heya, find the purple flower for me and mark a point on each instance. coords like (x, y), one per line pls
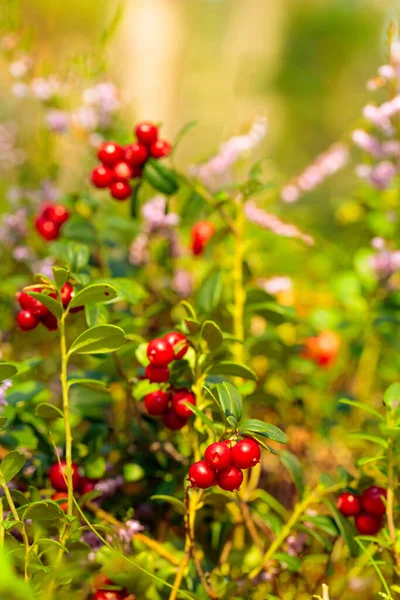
(109, 486)
(272, 223)
(182, 283)
(57, 120)
(44, 88)
(380, 175)
(385, 263)
(275, 285)
(4, 386)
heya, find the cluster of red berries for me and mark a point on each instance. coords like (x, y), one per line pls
(223, 464)
(367, 509)
(34, 312)
(50, 219)
(58, 480)
(102, 593)
(170, 406)
(322, 349)
(121, 164)
(161, 352)
(201, 234)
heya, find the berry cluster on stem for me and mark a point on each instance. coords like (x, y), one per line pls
(368, 509)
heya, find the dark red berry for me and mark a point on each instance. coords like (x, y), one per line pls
(110, 153)
(61, 496)
(372, 501)
(136, 154)
(39, 310)
(67, 293)
(201, 233)
(26, 320)
(50, 322)
(172, 421)
(102, 177)
(218, 455)
(87, 485)
(246, 453)
(108, 595)
(157, 374)
(177, 403)
(160, 149)
(157, 402)
(120, 190)
(136, 172)
(179, 343)
(146, 133)
(47, 229)
(368, 524)
(230, 479)
(201, 475)
(56, 476)
(57, 213)
(160, 352)
(349, 504)
(122, 172)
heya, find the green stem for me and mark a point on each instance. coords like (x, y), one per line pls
(390, 493)
(23, 530)
(67, 424)
(238, 291)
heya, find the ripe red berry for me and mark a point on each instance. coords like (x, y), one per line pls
(102, 177)
(368, 524)
(47, 229)
(218, 455)
(179, 343)
(122, 172)
(246, 453)
(108, 595)
(61, 496)
(157, 374)
(57, 213)
(201, 475)
(136, 154)
(160, 352)
(50, 322)
(56, 476)
(177, 403)
(25, 300)
(201, 233)
(120, 190)
(349, 504)
(87, 485)
(172, 421)
(39, 310)
(110, 153)
(160, 149)
(157, 402)
(26, 320)
(230, 479)
(146, 133)
(67, 293)
(372, 501)
(323, 348)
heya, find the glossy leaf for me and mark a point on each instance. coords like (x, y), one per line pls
(48, 411)
(98, 292)
(212, 334)
(292, 464)
(60, 275)
(7, 370)
(229, 400)
(178, 504)
(98, 340)
(265, 429)
(11, 465)
(92, 384)
(51, 303)
(232, 369)
(210, 292)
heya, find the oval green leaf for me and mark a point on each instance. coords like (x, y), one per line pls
(99, 339)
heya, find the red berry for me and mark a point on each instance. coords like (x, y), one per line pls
(157, 402)
(87, 485)
(120, 190)
(61, 496)
(122, 172)
(25, 300)
(67, 293)
(201, 233)
(178, 342)
(323, 348)
(349, 504)
(146, 133)
(136, 154)
(26, 320)
(57, 479)
(372, 501)
(108, 595)
(157, 374)
(218, 455)
(136, 172)
(57, 213)
(47, 229)
(201, 475)
(177, 403)
(110, 153)
(102, 177)
(50, 322)
(160, 352)
(160, 148)
(39, 310)
(172, 421)
(230, 479)
(368, 524)
(246, 453)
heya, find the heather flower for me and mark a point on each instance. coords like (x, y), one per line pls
(10, 155)
(45, 267)
(13, 227)
(85, 117)
(44, 88)
(385, 263)
(378, 243)
(20, 89)
(276, 285)
(4, 386)
(19, 68)
(57, 120)
(380, 175)
(272, 223)
(109, 486)
(182, 283)
(127, 532)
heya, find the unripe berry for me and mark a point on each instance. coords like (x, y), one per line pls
(160, 149)
(246, 453)
(47, 229)
(57, 213)
(368, 524)
(218, 455)
(177, 405)
(122, 172)
(201, 233)
(230, 479)
(179, 343)
(157, 402)
(26, 320)
(102, 177)
(110, 153)
(146, 133)
(56, 476)
(372, 501)
(201, 475)
(160, 352)
(171, 421)
(61, 496)
(157, 374)
(136, 154)
(120, 190)
(349, 504)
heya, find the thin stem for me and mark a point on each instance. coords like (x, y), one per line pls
(248, 521)
(67, 424)
(188, 543)
(238, 291)
(390, 492)
(208, 198)
(23, 530)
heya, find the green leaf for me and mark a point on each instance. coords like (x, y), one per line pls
(134, 202)
(392, 396)
(48, 542)
(292, 562)
(11, 465)
(199, 413)
(133, 472)
(231, 368)
(98, 340)
(189, 310)
(293, 465)
(48, 411)
(3, 421)
(43, 510)
(229, 400)
(212, 334)
(60, 275)
(369, 437)
(127, 289)
(182, 132)
(51, 303)
(160, 177)
(210, 292)
(7, 370)
(322, 522)
(344, 527)
(96, 467)
(96, 314)
(178, 504)
(77, 255)
(265, 429)
(193, 326)
(98, 292)
(362, 407)
(273, 312)
(92, 384)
